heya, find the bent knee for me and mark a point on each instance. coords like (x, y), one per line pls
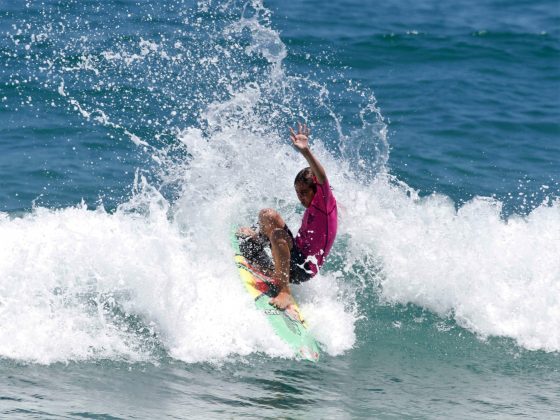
(267, 214)
(270, 219)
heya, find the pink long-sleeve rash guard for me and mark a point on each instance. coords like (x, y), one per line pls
(318, 227)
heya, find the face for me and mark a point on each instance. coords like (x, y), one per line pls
(304, 193)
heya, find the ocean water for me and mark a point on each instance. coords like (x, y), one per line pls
(134, 134)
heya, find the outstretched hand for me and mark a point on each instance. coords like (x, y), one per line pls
(300, 139)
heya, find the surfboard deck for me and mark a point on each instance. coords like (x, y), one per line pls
(289, 324)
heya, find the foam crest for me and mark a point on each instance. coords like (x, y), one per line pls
(82, 302)
(58, 279)
(496, 277)
(80, 284)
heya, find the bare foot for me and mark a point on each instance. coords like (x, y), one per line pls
(282, 301)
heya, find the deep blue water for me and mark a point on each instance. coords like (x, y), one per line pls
(134, 134)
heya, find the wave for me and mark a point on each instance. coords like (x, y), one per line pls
(155, 276)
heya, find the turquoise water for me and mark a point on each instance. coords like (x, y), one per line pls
(134, 134)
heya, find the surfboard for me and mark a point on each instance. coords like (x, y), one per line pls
(289, 324)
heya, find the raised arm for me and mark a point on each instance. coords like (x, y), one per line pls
(301, 142)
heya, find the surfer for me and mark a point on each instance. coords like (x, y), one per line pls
(297, 259)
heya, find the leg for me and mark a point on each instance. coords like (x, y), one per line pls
(272, 225)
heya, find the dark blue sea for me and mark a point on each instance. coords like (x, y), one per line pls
(134, 134)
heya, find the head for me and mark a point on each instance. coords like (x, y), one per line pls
(306, 186)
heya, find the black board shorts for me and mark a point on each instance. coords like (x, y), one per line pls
(299, 266)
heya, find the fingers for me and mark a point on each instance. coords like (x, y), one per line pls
(293, 138)
(292, 134)
(302, 129)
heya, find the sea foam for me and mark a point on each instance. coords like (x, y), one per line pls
(494, 276)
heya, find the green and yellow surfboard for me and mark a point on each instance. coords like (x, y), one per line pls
(289, 324)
